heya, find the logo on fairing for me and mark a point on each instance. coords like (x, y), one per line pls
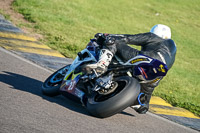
(161, 68)
(72, 84)
(155, 80)
(138, 59)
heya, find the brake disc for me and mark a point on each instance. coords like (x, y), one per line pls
(110, 90)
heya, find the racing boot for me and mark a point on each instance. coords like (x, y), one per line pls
(101, 66)
(142, 104)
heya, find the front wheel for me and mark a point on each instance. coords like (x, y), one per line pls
(107, 105)
(52, 84)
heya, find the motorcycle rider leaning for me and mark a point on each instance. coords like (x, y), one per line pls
(156, 44)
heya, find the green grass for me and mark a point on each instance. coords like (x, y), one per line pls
(4, 14)
(67, 26)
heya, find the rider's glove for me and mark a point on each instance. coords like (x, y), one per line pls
(100, 37)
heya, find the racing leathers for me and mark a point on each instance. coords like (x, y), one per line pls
(152, 45)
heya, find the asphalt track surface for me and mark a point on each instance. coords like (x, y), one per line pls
(23, 108)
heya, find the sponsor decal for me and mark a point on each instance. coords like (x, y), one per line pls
(143, 72)
(68, 76)
(78, 93)
(155, 80)
(72, 84)
(138, 59)
(161, 68)
(109, 55)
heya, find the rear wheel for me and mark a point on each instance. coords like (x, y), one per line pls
(124, 95)
(52, 84)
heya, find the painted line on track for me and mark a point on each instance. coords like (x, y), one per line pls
(28, 45)
(33, 50)
(29, 48)
(20, 36)
(160, 106)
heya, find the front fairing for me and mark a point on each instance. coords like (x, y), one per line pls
(72, 77)
(77, 62)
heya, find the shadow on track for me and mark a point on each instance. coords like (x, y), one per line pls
(33, 86)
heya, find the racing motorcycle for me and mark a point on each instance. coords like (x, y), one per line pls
(104, 95)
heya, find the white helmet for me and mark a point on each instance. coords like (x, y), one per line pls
(162, 31)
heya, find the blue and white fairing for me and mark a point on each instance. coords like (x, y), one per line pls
(77, 62)
(72, 78)
(147, 69)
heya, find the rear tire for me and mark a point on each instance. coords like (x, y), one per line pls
(124, 96)
(51, 86)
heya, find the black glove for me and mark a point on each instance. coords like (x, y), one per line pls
(100, 37)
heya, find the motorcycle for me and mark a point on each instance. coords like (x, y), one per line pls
(104, 95)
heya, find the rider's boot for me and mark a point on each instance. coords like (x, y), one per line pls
(142, 104)
(101, 66)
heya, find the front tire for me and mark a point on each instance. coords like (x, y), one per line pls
(124, 96)
(51, 86)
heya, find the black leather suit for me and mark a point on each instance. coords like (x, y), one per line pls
(151, 45)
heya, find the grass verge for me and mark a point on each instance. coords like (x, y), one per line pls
(68, 25)
(4, 14)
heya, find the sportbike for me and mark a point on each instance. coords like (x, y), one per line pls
(104, 95)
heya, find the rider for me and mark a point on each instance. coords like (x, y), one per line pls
(156, 44)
